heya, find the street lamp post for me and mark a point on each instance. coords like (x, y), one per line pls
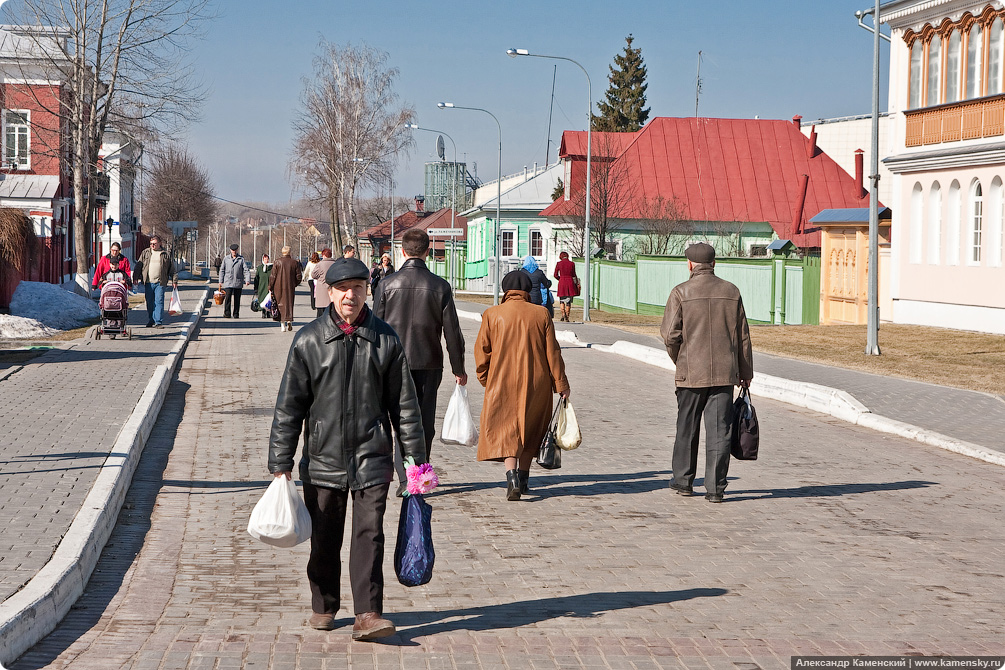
(513, 53)
(497, 230)
(453, 198)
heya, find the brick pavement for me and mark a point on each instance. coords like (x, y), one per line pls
(839, 540)
(61, 413)
(965, 415)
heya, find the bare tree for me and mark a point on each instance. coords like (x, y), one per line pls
(179, 190)
(351, 130)
(613, 193)
(665, 227)
(118, 63)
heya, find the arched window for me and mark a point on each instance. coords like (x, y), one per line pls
(953, 57)
(934, 223)
(975, 56)
(994, 210)
(934, 71)
(976, 223)
(917, 72)
(995, 58)
(914, 233)
(953, 212)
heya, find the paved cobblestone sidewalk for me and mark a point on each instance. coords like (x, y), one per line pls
(60, 414)
(839, 540)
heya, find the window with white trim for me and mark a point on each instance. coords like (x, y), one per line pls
(976, 223)
(17, 144)
(508, 243)
(953, 58)
(933, 96)
(975, 68)
(917, 73)
(536, 244)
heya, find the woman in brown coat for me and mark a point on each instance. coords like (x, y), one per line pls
(283, 282)
(520, 365)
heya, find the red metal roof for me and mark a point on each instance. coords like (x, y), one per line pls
(746, 170)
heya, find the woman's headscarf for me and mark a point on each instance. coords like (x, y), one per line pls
(516, 281)
(529, 264)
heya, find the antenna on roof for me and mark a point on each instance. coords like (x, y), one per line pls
(697, 87)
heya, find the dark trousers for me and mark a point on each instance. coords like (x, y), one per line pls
(427, 383)
(310, 283)
(235, 294)
(716, 403)
(366, 547)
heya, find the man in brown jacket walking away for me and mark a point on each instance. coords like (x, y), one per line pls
(706, 334)
(283, 282)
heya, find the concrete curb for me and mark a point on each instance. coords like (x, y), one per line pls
(33, 612)
(824, 399)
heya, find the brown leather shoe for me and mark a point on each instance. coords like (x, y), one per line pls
(370, 626)
(322, 621)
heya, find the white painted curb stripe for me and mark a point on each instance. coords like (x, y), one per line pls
(33, 612)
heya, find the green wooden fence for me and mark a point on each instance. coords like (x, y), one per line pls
(775, 290)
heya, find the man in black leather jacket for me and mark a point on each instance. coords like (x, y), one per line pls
(347, 380)
(420, 307)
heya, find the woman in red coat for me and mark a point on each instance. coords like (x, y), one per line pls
(568, 284)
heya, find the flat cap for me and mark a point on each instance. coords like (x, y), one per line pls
(701, 252)
(234, 247)
(346, 268)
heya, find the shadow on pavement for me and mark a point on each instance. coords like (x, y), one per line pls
(528, 612)
(551, 485)
(825, 490)
(190, 486)
(126, 541)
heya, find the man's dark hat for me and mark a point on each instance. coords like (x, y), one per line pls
(700, 253)
(346, 268)
(518, 280)
(234, 247)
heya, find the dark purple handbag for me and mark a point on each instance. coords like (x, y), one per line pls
(746, 436)
(413, 554)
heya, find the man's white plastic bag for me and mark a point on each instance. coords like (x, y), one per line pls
(174, 308)
(568, 436)
(280, 518)
(458, 426)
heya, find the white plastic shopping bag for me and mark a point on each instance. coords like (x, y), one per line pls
(458, 426)
(174, 309)
(568, 435)
(267, 303)
(280, 518)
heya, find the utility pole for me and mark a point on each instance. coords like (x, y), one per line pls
(697, 87)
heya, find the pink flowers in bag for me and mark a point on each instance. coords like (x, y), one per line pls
(421, 478)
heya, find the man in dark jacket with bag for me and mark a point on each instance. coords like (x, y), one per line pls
(420, 307)
(706, 334)
(347, 380)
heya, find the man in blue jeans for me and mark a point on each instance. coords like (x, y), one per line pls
(155, 269)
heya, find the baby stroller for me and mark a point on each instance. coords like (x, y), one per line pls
(114, 306)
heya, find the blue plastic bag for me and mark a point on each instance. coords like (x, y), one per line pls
(413, 554)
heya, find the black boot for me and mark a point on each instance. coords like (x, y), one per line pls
(512, 485)
(524, 476)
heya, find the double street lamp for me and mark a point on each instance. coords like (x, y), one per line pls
(496, 229)
(513, 53)
(453, 196)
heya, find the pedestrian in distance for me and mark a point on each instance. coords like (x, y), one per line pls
(261, 283)
(420, 307)
(283, 282)
(565, 273)
(381, 270)
(321, 299)
(104, 264)
(540, 285)
(348, 251)
(309, 275)
(706, 334)
(520, 365)
(155, 269)
(217, 262)
(349, 451)
(233, 278)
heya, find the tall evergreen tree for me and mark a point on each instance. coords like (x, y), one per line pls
(624, 109)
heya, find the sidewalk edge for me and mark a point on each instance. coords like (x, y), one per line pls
(33, 612)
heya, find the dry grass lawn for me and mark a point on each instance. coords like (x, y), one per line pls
(957, 358)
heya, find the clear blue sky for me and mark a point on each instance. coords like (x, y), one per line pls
(772, 59)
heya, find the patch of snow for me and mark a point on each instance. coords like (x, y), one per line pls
(52, 306)
(20, 328)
